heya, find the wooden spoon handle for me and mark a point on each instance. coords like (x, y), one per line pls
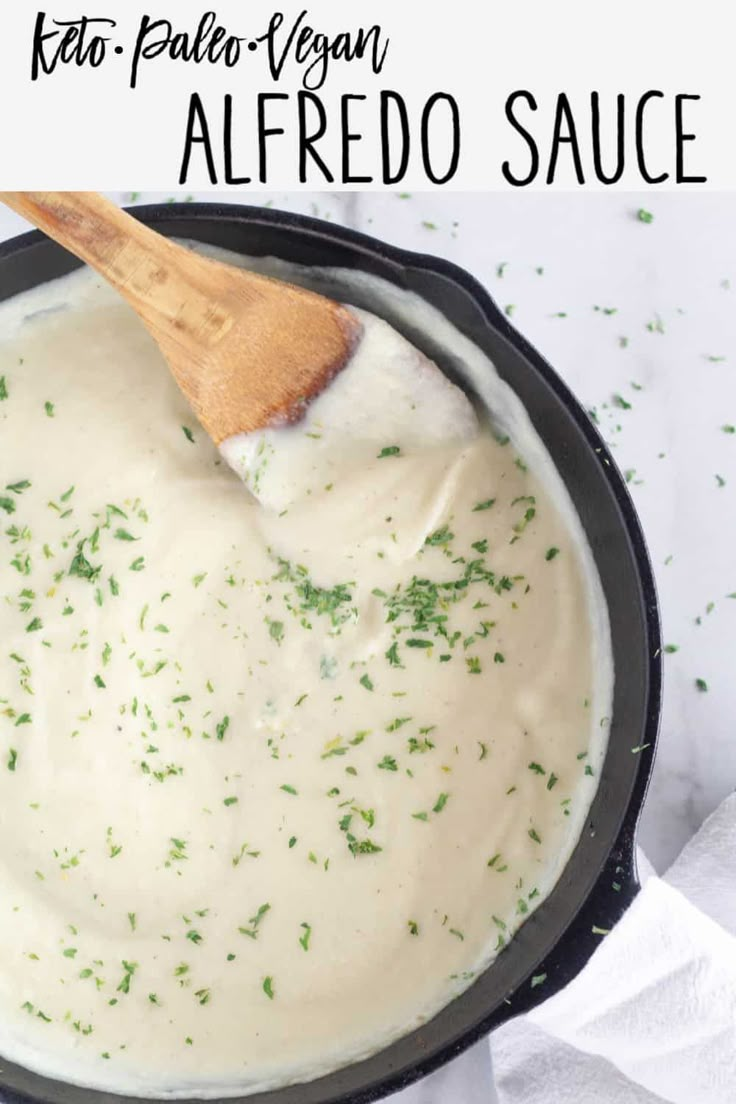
(122, 249)
(169, 288)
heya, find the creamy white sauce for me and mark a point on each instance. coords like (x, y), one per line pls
(388, 391)
(217, 715)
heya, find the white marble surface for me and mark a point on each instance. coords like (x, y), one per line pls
(671, 275)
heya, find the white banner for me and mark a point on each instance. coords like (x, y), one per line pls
(368, 95)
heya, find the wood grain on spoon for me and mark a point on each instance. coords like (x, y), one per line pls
(246, 350)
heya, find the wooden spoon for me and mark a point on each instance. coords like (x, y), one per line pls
(247, 351)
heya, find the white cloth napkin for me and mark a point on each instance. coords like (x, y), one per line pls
(652, 1017)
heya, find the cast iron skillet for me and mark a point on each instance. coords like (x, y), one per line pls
(600, 880)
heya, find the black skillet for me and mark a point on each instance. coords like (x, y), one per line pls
(600, 880)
